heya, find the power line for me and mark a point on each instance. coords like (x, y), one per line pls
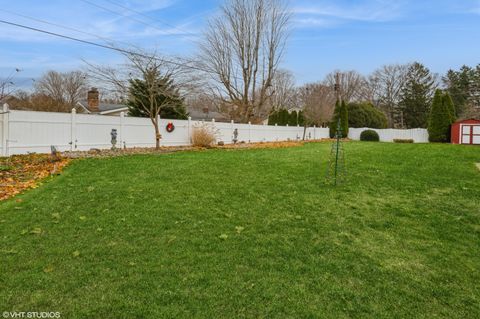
(64, 27)
(105, 46)
(148, 17)
(122, 15)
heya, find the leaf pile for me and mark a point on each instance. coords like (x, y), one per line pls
(21, 172)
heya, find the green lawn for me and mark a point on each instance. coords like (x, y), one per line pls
(250, 233)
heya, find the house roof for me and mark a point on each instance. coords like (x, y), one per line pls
(105, 108)
(198, 115)
(468, 121)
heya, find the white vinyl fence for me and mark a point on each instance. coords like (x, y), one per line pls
(24, 132)
(418, 135)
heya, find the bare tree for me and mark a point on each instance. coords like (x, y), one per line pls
(282, 90)
(385, 85)
(318, 101)
(65, 89)
(242, 50)
(7, 86)
(351, 84)
(75, 87)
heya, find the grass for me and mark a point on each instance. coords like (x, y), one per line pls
(250, 233)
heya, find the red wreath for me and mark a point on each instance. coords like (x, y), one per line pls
(170, 127)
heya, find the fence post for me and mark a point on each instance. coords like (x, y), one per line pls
(189, 136)
(5, 112)
(314, 132)
(73, 130)
(249, 132)
(122, 119)
(276, 131)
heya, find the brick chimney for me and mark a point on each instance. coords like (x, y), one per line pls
(93, 100)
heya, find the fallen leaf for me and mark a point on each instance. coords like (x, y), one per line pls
(239, 229)
(48, 269)
(36, 231)
(76, 253)
(223, 236)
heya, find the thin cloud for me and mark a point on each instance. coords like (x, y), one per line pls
(328, 13)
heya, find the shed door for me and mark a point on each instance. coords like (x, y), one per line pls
(471, 134)
(476, 134)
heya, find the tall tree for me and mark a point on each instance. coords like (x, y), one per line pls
(384, 88)
(168, 99)
(351, 84)
(416, 96)
(318, 102)
(439, 120)
(447, 100)
(65, 89)
(242, 50)
(283, 90)
(150, 75)
(464, 87)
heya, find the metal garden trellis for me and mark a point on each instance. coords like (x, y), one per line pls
(336, 166)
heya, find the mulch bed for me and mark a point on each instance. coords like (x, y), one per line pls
(21, 172)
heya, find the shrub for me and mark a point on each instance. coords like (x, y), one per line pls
(370, 136)
(405, 141)
(273, 118)
(364, 114)
(301, 118)
(204, 135)
(293, 118)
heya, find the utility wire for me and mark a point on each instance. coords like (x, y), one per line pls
(115, 3)
(105, 46)
(64, 27)
(122, 15)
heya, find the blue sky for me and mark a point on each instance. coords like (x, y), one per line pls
(326, 34)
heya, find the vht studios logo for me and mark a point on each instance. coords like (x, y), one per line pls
(31, 314)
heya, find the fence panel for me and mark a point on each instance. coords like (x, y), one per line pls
(24, 131)
(37, 131)
(418, 135)
(3, 118)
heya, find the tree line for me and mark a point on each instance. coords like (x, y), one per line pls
(238, 73)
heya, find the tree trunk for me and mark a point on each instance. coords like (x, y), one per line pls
(158, 136)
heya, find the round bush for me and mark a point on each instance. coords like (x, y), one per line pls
(370, 136)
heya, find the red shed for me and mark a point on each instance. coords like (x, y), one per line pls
(466, 132)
